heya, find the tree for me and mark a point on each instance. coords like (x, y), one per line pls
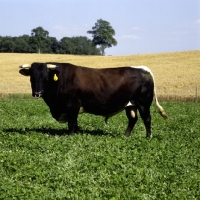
(102, 34)
(77, 45)
(39, 36)
(83, 46)
(7, 44)
(54, 45)
(21, 44)
(66, 46)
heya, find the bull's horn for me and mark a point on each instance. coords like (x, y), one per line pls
(51, 66)
(25, 66)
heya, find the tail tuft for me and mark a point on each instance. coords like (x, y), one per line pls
(161, 110)
(163, 114)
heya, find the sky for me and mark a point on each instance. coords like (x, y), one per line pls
(141, 26)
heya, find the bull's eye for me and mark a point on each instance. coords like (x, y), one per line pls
(55, 78)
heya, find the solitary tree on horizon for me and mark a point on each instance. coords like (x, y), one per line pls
(102, 34)
(39, 35)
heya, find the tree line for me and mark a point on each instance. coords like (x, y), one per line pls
(24, 44)
(41, 42)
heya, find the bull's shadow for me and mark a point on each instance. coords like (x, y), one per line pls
(58, 132)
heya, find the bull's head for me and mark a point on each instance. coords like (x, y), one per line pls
(39, 76)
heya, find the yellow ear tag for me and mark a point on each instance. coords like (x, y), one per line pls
(55, 78)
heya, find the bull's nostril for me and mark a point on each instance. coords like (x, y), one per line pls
(38, 94)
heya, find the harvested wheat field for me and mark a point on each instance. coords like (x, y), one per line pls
(177, 75)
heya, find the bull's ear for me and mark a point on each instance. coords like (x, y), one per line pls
(25, 72)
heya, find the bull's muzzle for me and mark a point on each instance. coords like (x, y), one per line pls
(37, 94)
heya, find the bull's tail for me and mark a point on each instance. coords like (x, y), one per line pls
(160, 108)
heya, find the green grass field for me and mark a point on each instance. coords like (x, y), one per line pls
(39, 161)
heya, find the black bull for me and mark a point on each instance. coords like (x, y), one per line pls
(68, 90)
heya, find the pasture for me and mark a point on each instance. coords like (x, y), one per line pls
(38, 160)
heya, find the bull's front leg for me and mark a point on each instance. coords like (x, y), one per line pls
(72, 119)
(73, 127)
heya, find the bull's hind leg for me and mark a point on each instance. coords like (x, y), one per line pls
(146, 117)
(131, 113)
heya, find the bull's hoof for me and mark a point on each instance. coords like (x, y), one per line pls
(127, 134)
(148, 136)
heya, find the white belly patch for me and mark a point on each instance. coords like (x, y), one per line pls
(129, 104)
(132, 110)
(81, 110)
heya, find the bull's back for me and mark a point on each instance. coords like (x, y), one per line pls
(104, 91)
(101, 91)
